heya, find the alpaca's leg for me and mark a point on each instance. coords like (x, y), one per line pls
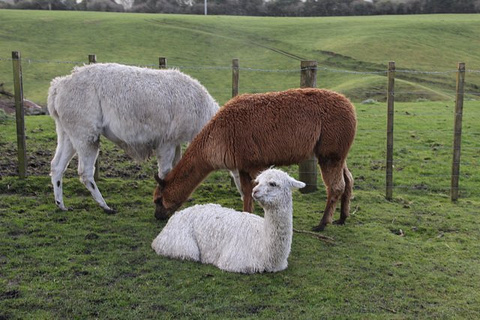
(346, 196)
(166, 157)
(63, 155)
(247, 187)
(178, 155)
(236, 179)
(87, 154)
(332, 175)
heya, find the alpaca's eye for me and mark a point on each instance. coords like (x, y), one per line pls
(272, 184)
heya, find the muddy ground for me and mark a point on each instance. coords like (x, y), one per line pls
(113, 161)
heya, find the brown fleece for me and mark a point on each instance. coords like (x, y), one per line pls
(254, 131)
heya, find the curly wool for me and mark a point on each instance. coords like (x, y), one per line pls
(236, 241)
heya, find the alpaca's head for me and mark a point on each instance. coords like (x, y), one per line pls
(274, 187)
(163, 209)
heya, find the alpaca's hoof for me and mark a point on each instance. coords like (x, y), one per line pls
(320, 227)
(109, 211)
(339, 222)
(61, 206)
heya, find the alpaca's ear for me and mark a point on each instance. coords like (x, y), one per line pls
(296, 184)
(160, 181)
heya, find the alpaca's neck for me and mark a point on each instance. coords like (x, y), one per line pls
(185, 177)
(278, 228)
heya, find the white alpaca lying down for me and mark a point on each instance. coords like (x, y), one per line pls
(232, 240)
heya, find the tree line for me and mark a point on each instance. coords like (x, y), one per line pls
(302, 8)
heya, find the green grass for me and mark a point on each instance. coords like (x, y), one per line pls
(413, 257)
(196, 44)
(416, 256)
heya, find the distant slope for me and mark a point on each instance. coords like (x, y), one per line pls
(353, 52)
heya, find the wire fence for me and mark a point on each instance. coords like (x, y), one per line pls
(424, 117)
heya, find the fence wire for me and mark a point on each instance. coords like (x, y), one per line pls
(229, 67)
(423, 130)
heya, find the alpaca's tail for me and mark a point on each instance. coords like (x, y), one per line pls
(52, 96)
(347, 195)
(348, 177)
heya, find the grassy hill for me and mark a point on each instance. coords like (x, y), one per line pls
(204, 47)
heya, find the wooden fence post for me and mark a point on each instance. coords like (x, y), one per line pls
(162, 64)
(457, 138)
(20, 114)
(235, 77)
(390, 112)
(235, 82)
(307, 169)
(92, 58)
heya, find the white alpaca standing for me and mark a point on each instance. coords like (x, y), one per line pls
(144, 111)
(232, 240)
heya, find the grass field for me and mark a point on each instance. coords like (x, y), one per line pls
(203, 46)
(416, 256)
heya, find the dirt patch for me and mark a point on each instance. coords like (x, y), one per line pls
(112, 163)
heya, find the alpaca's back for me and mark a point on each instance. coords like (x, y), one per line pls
(137, 108)
(281, 128)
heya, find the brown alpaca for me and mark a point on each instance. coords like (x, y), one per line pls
(254, 131)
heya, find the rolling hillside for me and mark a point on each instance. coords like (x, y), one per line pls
(352, 52)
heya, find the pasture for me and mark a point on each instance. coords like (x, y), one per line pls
(416, 256)
(52, 42)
